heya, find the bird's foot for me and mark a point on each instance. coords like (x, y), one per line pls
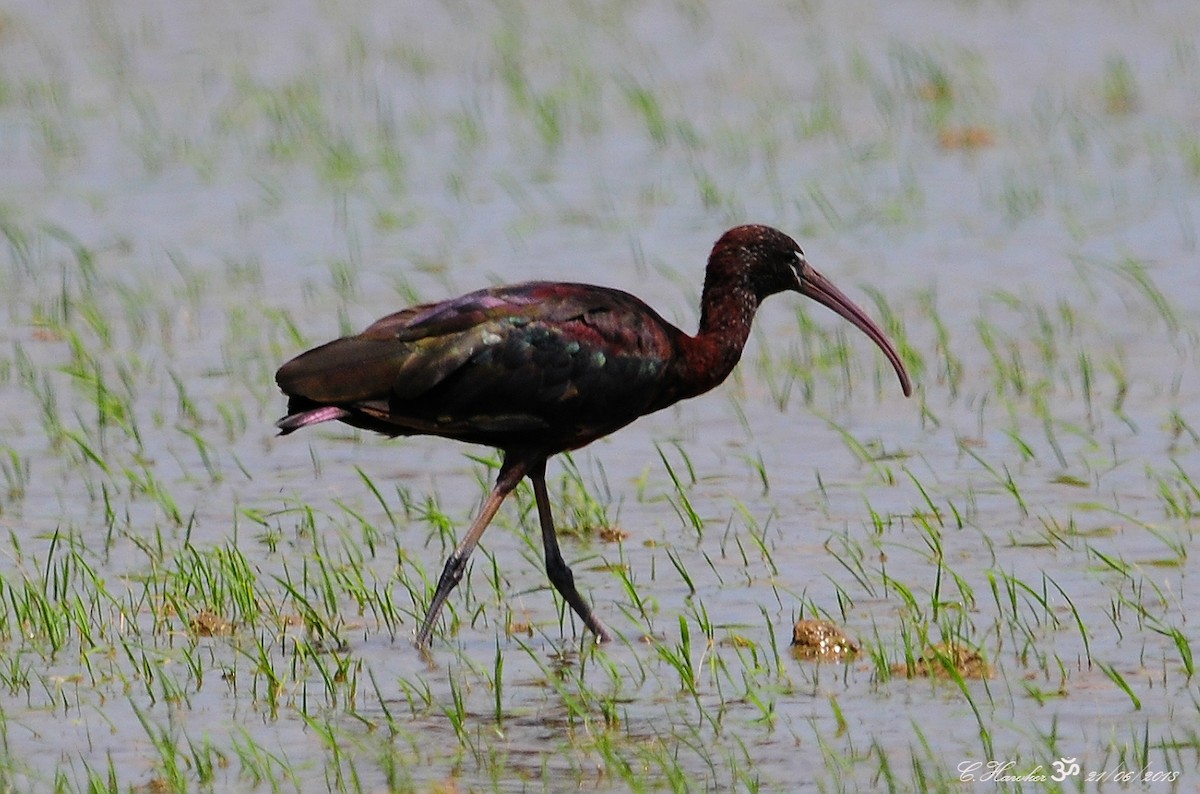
(601, 631)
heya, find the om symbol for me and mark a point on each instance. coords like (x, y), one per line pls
(1063, 769)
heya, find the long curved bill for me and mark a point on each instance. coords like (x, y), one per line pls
(814, 285)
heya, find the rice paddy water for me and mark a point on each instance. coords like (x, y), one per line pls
(194, 193)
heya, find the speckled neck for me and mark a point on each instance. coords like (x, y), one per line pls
(727, 308)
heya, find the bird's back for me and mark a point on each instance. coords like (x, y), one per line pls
(541, 364)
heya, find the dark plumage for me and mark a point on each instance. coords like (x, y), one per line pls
(537, 368)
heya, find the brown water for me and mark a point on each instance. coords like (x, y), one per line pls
(193, 194)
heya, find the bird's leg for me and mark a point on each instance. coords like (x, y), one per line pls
(511, 472)
(556, 568)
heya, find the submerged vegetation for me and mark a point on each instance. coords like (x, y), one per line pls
(188, 604)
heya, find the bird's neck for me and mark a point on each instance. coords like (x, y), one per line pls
(727, 309)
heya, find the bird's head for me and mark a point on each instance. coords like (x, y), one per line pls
(772, 262)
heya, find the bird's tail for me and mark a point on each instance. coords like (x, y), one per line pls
(326, 413)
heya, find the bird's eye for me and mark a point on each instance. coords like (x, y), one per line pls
(798, 262)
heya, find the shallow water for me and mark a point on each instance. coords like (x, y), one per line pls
(193, 197)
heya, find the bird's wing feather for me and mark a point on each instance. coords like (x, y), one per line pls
(410, 351)
(514, 358)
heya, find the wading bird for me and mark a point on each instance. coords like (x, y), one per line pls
(539, 368)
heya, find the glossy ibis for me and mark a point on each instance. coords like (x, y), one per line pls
(539, 368)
